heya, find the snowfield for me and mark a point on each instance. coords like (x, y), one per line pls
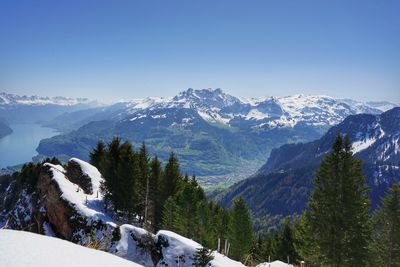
(20, 248)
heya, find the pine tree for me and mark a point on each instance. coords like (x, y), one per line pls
(119, 167)
(188, 198)
(240, 231)
(171, 216)
(285, 240)
(220, 222)
(202, 257)
(385, 246)
(171, 179)
(268, 247)
(98, 154)
(338, 209)
(304, 243)
(155, 211)
(144, 184)
(108, 169)
(126, 193)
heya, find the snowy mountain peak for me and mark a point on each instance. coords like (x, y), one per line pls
(216, 106)
(206, 98)
(13, 99)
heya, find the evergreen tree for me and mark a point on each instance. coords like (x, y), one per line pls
(119, 167)
(171, 216)
(240, 231)
(155, 210)
(97, 155)
(126, 193)
(202, 223)
(202, 257)
(171, 179)
(187, 201)
(285, 243)
(220, 222)
(385, 246)
(304, 244)
(338, 209)
(108, 168)
(268, 247)
(144, 183)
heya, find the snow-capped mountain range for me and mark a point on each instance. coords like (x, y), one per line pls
(212, 132)
(215, 106)
(12, 99)
(375, 139)
(33, 109)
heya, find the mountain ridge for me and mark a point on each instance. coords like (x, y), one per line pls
(212, 132)
(282, 185)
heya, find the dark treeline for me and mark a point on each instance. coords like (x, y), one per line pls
(12, 185)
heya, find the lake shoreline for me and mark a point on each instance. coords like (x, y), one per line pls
(20, 145)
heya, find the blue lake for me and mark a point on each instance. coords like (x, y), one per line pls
(20, 146)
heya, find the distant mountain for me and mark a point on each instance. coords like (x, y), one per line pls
(282, 185)
(22, 109)
(213, 133)
(12, 99)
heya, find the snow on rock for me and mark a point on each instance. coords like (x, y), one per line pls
(182, 249)
(127, 247)
(20, 248)
(91, 172)
(274, 264)
(359, 146)
(223, 261)
(135, 244)
(88, 205)
(179, 248)
(256, 114)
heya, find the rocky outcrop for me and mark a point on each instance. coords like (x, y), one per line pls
(60, 207)
(58, 211)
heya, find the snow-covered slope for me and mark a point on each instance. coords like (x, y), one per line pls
(20, 248)
(82, 212)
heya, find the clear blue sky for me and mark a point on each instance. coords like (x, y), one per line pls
(132, 49)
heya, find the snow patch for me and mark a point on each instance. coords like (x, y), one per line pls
(90, 206)
(359, 146)
(274, 264)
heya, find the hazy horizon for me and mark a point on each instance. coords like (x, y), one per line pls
(116, 99)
